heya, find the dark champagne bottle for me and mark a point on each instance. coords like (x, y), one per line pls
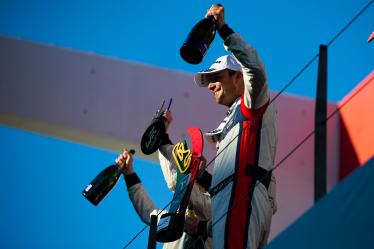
(198, 40)
(103, 183)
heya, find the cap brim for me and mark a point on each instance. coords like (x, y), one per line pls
(201, 78)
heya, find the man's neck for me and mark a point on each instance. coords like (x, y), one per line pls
(232, 106)
(233, 102)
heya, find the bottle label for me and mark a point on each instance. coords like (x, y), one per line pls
(88, 187)
(164, 222)
(152, 135)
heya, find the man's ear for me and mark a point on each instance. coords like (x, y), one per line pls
(239, 82)
(239, 76)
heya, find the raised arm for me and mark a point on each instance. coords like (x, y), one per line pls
(256, 92)
(143, 204)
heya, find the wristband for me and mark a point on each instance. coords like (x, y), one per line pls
(132, 179)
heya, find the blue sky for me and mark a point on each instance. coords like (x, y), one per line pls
(287, 34)
(42, 206)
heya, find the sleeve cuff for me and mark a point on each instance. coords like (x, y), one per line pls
(131, 180)
(202, 229)
(165, 140)
(225, 31)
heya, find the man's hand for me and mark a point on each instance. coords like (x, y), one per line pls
(218, 12)
(191, 224)
(168, 118)
(124, 162)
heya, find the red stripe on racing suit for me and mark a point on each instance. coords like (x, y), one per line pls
(245, 223)
(238, 217)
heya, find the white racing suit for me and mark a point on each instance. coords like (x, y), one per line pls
(144, 206)
(243, 191)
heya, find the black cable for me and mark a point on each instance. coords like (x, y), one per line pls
(275, 97)
(136, 236)
(350, 22)
(142, 230)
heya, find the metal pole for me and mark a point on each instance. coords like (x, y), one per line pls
(320, 179)
(152, 233)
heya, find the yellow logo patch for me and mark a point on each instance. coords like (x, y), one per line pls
(182, 156)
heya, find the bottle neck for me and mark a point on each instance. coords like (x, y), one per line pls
(118, 168)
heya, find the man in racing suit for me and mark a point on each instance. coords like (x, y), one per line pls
(145, 207)
(243, 187)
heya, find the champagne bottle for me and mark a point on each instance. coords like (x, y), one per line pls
(152, 137)
(103, 183)
(198, 40)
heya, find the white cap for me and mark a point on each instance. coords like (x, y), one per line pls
(222, 63)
